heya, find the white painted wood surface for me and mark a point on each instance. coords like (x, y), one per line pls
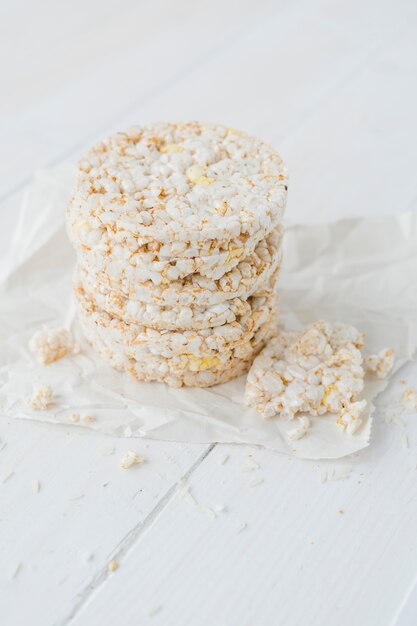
(333, 86)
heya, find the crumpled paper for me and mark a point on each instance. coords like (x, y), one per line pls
(359, 271)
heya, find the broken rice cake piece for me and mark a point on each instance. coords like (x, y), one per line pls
(51, 344)
(381, 364)
(42, 398)
(316, 371)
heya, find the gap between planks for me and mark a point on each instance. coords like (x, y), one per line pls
(127, 543)
(404, 602)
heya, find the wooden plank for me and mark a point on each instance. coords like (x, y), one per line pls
(286, 66)
(356, 154)
(85, 510)
(127, 57)
(193, 564)
(52, 555)
(327, 100)
(312, 553)
(333, 58)
(51, 45)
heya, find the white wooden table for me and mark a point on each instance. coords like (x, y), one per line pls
(333, 86)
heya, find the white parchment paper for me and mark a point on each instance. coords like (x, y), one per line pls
(360, 271)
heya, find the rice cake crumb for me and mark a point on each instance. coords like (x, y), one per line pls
(350, 416)
(51, 344)
(299, 431)
(409, 398)
(113, 565)
(42, 398)
(256, 481)
(242, 526)
(335, 473)
(129, 459)
(381, 364)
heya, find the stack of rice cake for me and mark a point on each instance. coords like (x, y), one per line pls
(177, 230)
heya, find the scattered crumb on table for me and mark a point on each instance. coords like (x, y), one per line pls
(52, 344)
(335, 473)
(409, 399)
(219, 508)
(113, 565)
(42, 398)
(256, 481)
(241, 528)
(130, 459)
